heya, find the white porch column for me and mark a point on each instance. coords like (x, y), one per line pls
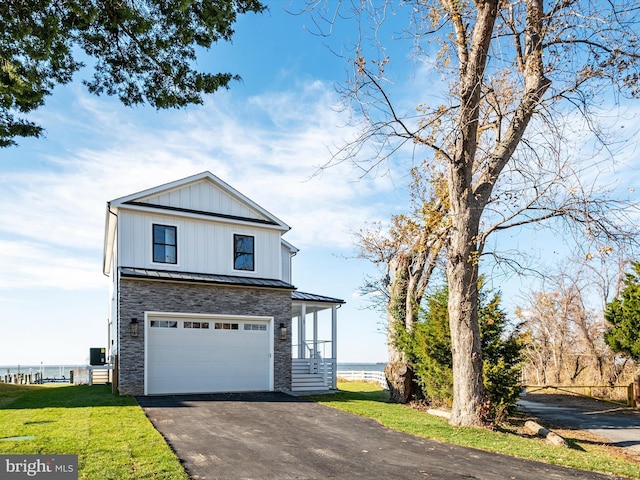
(301, 330)
(334, 332)
(315, 333)
(334, 346)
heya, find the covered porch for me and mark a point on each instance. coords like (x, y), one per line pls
(314, 342)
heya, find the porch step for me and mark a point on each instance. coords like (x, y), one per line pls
(307, 382)
(306, 377)
(310, 388)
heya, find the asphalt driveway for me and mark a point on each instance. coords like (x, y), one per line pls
(620, 430)
(276, 436)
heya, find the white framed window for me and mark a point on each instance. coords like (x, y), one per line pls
(243, 252)
(165, 243)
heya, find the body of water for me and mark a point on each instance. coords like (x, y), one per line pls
(48, 371)
(362, 367)
(63, 371)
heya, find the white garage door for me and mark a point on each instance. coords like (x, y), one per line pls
(208, 354)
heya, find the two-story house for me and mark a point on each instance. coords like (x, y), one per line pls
(202, 298)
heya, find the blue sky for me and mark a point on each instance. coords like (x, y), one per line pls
(266, 137)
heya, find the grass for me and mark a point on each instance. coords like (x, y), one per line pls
(369, 400)
(111, 435)
(114, 439)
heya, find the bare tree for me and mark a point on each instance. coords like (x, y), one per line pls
(566, 333)
(408, 252)
(514, 75)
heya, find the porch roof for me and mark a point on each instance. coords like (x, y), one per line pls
(312, 297)
(312, 301)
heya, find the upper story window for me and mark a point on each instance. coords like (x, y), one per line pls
(243, 252)
(165, 244)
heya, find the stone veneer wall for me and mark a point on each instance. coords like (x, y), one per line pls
(139, 296)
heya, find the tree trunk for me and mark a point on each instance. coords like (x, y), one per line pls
(399, 372)
(399, 377)
(469, 396)
(400, 381)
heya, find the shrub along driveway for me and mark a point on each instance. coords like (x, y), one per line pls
(276, 436)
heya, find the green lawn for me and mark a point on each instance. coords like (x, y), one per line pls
(114, 440)
(111, 435)
(369, 400)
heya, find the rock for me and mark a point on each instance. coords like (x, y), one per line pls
(439, 413)
(548, 435)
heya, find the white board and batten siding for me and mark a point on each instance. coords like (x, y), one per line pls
(202, 197)
(203, 246)
(181, 360)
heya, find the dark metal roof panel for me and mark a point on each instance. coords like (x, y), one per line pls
(312, 297)
(132, 272)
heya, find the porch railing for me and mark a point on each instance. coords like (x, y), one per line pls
(317, 372)
(322, 345)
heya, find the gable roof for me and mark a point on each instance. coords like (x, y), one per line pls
(203, 196)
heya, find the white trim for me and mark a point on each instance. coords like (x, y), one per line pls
(210, 318)
(201, 216)
(292, 249)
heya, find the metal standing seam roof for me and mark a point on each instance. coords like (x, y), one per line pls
(312, 297)
(151, 274)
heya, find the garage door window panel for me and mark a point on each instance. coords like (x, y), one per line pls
(196, 325)
(163, 324)
(226, 326)
(255, 327)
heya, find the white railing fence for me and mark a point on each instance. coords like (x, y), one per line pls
(364, 375)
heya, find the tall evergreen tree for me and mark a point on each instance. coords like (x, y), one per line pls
(501, 355)
(429, 350)
(623, 314)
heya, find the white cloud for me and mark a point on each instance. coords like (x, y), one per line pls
(269, 147)
(28, 264)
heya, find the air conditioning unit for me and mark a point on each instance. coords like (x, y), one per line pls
(97, 356)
